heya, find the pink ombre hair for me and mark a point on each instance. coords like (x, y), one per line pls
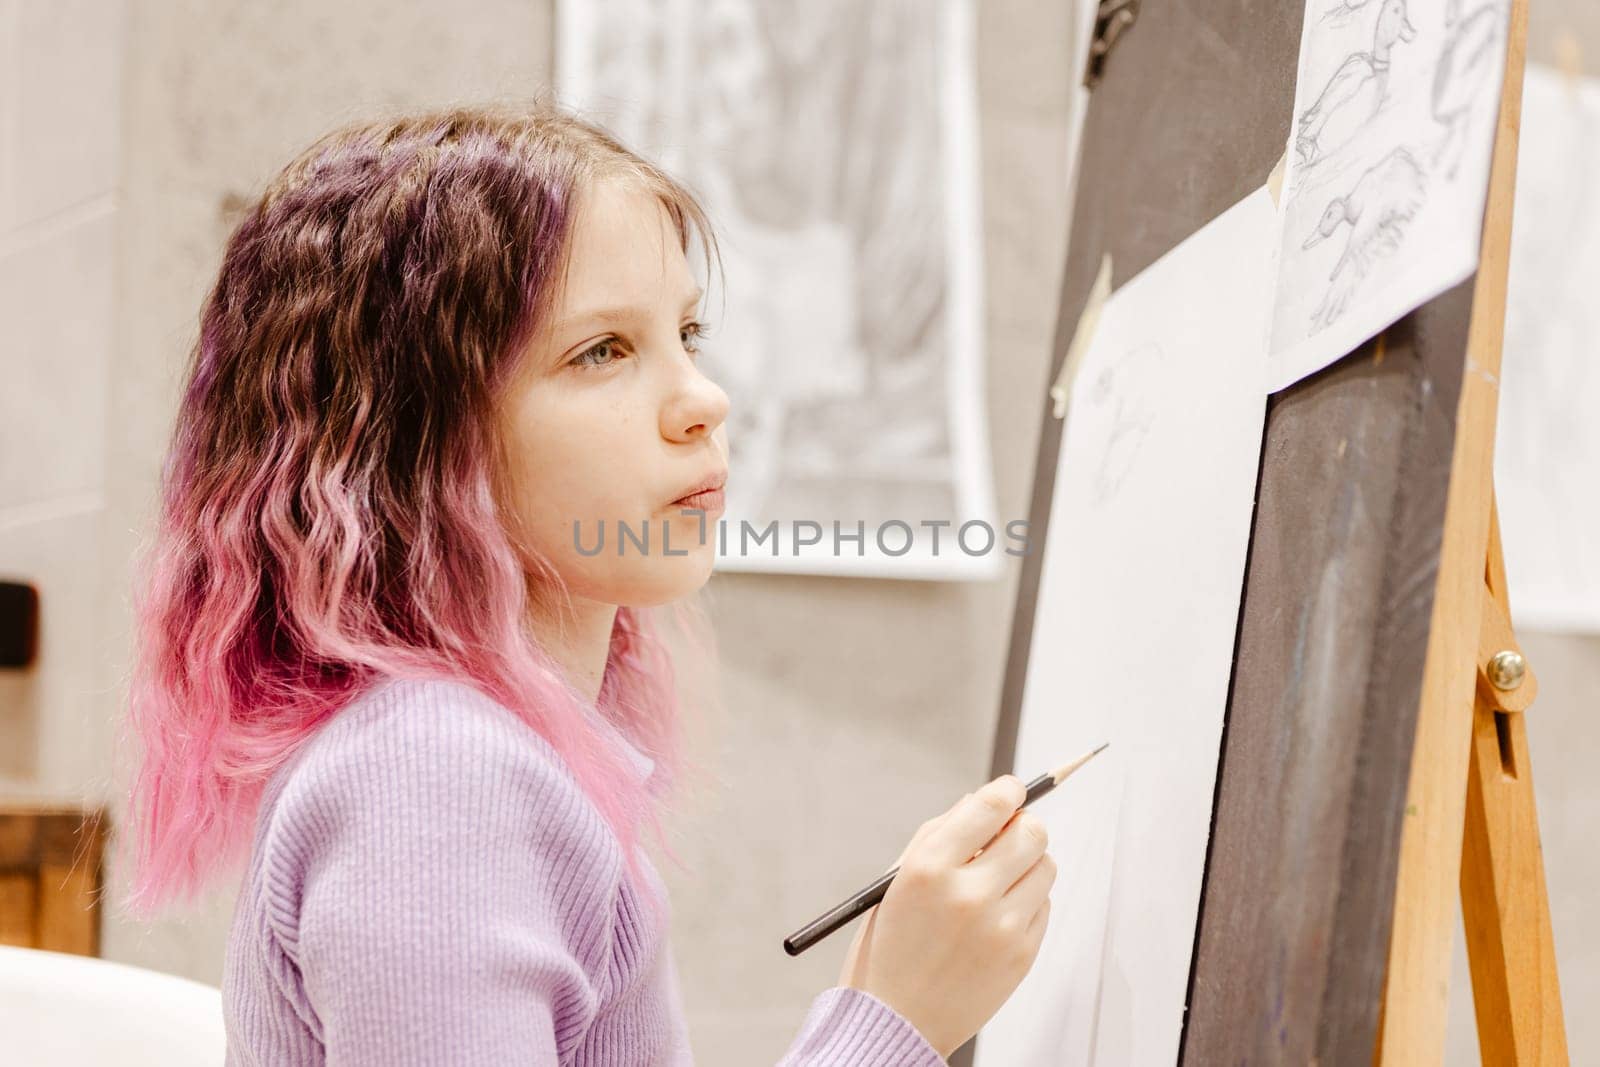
(331, 504)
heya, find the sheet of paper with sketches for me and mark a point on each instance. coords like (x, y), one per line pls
(834, 145)
(1133, 641)
(1394, 121)
(1547, 450)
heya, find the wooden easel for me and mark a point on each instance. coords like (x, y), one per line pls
(1361, 785)
(1470, 805)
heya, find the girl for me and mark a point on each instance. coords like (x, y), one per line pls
(380, 659)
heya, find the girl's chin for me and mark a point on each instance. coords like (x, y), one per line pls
(670, 578)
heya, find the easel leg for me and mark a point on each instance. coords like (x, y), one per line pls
(1411, 1021)
(1510, 944)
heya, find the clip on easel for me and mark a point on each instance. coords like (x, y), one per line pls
(1470, 820)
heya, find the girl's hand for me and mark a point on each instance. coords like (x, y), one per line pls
(957, 930)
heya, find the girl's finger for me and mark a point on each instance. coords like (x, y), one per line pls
(1033, 888)
(1016, 848)
(1036, 927)
(917, 838)
(975, 820)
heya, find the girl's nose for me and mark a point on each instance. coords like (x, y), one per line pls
(695, 406)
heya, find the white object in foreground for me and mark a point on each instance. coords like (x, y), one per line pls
(65, 1010)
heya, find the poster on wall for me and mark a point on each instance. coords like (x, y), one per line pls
(834, 146)
(1547, 441)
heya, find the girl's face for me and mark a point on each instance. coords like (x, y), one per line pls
(610, 420)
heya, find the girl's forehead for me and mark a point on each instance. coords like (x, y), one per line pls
(623, 249)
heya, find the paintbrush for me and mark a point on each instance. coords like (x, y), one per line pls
(835, 917)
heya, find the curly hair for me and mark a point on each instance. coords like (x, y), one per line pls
(331, 512)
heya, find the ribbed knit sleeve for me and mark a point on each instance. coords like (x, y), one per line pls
(451, 900)
(848, 1027)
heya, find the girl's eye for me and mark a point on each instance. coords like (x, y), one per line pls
(582, 359)
(591, 357)
(693, 334)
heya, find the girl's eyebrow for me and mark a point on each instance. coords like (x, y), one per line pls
(622, 314)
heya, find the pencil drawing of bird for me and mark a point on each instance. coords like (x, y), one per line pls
(1466, 64)
(1378, 209)
(1356, 91)
(1341, 12)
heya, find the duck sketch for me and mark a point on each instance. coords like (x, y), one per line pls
(1356, 90)
(1466, 64)
(1342, 11)
(1377, 209)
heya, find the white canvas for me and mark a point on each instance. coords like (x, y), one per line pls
(1133, 639)
(1388, 168)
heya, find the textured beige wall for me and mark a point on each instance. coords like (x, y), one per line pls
(60, 73)
(837, 739)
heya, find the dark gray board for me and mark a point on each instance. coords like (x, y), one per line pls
(1292, 942)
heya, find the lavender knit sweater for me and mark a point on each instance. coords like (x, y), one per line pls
(429, 885)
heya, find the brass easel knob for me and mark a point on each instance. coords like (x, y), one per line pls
(1506, 670)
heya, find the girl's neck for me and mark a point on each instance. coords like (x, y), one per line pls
(579, 640)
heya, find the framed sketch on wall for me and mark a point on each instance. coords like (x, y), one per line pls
(1547, 446)
(834, 145)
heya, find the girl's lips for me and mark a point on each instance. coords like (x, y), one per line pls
(710, 500)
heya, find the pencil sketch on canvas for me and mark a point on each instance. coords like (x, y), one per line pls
(1395, 109)
(1118, 386)
(834, 145)
(1547, 447)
